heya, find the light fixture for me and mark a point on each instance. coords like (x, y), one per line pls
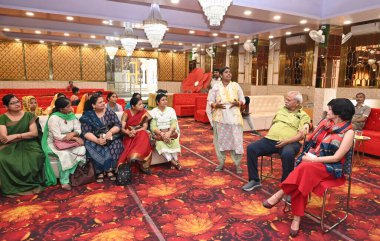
(347, 22)
(215, 34)
(128, 40)
(191, 32)
(37, 32)
(236, 36)
(155, 26)
(235, 43)
(306, 29)
(30, 14)
(175, 51)
(41, 41)
(142, 48)
(107, 22)
(223, 45)
(158, 49)
(198, 45)
(110, 47)
(64, 43)
(92, 36)
(66, 34)
(17, 40)
(247, 12)
(271, 36)
(6, 29)
(70, 18)
(277, 17)
(303, 21)
(175, 1)
(180, 43)
(288, 33)
(215, 10)
(85, 45)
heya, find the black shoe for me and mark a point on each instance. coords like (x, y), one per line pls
(255, 133)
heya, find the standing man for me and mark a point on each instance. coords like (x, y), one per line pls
(215, 79)
(362, 112)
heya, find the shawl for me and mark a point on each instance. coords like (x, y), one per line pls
(80, 107)
(26, 105)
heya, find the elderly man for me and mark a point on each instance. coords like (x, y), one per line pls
(362, 112)
(288, 127)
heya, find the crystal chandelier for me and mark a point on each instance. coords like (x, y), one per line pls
(154, 26)
(111, 49)
(128, 40)
(215, 10)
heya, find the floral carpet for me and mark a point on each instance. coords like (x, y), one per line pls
(193, 204)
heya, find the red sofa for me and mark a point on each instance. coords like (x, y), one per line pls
(200, 109)
(372, 129)
(184, 103)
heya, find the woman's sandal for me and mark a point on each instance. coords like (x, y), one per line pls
(111, 176)
(100, 178)
(294, 232)
(267, 205)
(175, 164)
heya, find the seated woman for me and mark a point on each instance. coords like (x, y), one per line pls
(21, 156)
(165, 127)
(112, 105)
(100, 128)
(74, 97)
(328, 144)
(29, 104)
(50, 108)
(135, 95)
(63, 125)
(136, 142)
(82, 102)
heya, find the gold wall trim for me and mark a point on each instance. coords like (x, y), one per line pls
(24, 61)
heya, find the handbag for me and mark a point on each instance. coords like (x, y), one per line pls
(173, 136)
(101, 132)
(124, 175)
(63, 145)
(83, 174)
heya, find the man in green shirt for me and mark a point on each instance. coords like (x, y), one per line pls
(289, 126)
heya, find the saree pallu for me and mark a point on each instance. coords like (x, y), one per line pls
(22, 162)
(137, 147)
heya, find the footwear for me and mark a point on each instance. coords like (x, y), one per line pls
(219, 168)
(255, 133)
(251, 185)
(266, 204)
(287, 198)
(111, 176)
(100, 178)
(294, 232)
(66, 187)
(239, 170)
(146, 171)
(176, 165)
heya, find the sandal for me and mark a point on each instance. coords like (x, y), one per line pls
(66, 187)
(111, 176)
(175, 164)
(100, 178)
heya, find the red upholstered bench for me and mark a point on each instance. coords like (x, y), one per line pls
(372, 129)
(184, 104)
(200, 109)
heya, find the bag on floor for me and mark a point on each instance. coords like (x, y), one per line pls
(84, 174)
(124, 175)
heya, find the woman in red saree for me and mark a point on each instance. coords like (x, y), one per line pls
(136, 141)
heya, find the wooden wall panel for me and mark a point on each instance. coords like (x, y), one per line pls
(93, 64)
(11, 61)
(37, 61)
(138, 54)
(165, 66)
(179, 66)
(66, 62)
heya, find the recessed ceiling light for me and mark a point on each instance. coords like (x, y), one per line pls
(64, 43)
(93, 36)
(142, 48)
(247, 12)
(107, 22)
(347, 22)
(235, 43)
(41, 41)
(180, 43)
(236, 36)
(277, 17)
(198, 45)
(158, 49)
(117, 38)
(288, 33)
(271, 36)
(30, 14)
(202, 49)
(175, 51)
(191, 32)
(223, 45)
(37, 32)
(66, 34)
(175, 1)
(70, 18)
(215, 34)
(17, 39)
(85, 45)
(306, 29)
(6, 29)
(303, 21)
(193, 45)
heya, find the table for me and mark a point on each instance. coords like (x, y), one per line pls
(359, 141)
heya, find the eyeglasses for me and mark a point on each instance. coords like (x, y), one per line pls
(14, 102)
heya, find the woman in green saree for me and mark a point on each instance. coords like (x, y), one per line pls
(21, 156)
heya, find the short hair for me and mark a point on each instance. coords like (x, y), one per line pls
(75, 90)
(159, 97)
(360, 93)
(70, 82)
(92, 101)
(60, 103)
(223, 69)
(297, 96)
(216, 70)
(343, 108)
(7, 98)
(110, 94)
(134, 101)
(247, 100)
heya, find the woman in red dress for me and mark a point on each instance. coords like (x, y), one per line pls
(136, 141)
(328, 145)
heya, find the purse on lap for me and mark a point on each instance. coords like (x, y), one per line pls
(83, 174)
(64, 145)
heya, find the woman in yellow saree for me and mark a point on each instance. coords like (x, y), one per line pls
(29, 104)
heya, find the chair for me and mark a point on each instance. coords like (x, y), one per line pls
(325, 186)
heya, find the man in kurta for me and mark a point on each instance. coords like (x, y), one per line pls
(362, 112)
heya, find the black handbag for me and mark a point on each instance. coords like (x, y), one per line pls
(124, 175)
(103, 130)
(83, 174)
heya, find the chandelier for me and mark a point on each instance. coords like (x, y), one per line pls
(155, 26)
(111, 49)
(128, 40)
(215, 10)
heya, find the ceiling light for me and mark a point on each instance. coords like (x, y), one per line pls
(70, 18)
(117, 38)
(180, 43)
(175, 1)
(236, 36)
(110, 47)
(105, 22)
(215, 34)
(175, 51)
(215, 10)
(303, 21)
(347, 22)
(30, 14)
(277, 17)
(129, 39)
(235, 43)
(191, 32)
(142, 48)
(6, 29)
(202, 49)
(37, 32)
(85, 45)
(223, 45)
(288, 33)
(64, 43)
(158, 49)
(92, 36)
(155, 26)
(41, 41)
(66, 34)
(271, 36)
(198, 45)
(247, 12)
(17, 39)
(306, 29)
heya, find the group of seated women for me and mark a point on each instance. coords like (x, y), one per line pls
(98, 136)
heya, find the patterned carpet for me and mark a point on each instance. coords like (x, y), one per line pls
(194, 204)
